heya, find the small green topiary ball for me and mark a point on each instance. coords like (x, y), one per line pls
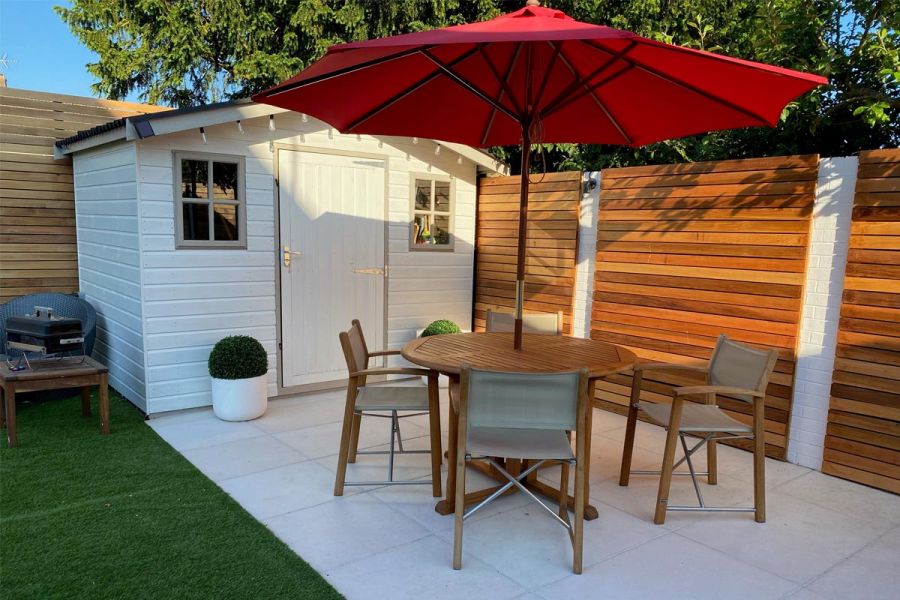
(440, 327)
(238, 357)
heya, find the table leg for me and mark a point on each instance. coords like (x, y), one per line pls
(446, 506)
(85, 401)
(9, 395)
(2, 408)
(104, 403)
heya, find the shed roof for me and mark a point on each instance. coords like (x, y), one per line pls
(172, 121)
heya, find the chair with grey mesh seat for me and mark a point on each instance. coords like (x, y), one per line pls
(529, 417)
(393, 402)
(532, 322)
(734, 370)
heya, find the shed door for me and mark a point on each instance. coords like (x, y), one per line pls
(332, 222)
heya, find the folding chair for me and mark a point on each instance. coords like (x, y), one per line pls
(526, 416)
(385, 401)
(736, 370)
(532, 322)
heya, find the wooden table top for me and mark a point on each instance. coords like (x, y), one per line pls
(539, 353)
(53, 369)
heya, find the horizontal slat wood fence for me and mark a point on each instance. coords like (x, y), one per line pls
(686, 252)
(37, 210)
(553, 205)
(863, 436)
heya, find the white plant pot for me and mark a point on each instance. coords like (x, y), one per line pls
(239, 399)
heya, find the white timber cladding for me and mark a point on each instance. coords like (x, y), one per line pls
(109, 261)
(194, 297)
(824, 288)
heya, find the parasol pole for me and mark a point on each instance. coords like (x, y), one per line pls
(523, 234)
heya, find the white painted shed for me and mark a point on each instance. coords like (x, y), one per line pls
(241, 218)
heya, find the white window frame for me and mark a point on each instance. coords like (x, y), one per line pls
(413, 211)
(241, 202)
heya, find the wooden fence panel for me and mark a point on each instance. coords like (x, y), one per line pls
(37, 209)
(863, 436)
(686, 252)
(553, 207)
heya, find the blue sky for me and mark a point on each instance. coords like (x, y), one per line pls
(43, 54)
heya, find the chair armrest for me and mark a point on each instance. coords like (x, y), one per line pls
(385, 353)
(670, 367)
(717, 389)
(394, 371)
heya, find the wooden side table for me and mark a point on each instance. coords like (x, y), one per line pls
(52, 374)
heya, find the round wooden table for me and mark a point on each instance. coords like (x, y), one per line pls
(494, 351)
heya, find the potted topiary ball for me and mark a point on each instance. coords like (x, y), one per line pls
(238, 366)
(439, 327)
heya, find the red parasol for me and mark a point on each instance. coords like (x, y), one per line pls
(534, 76)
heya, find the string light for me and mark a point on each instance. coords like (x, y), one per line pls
(240, 127)
(304, 118)
(437, 150)
(415, 140)
(203, 136)
(271, 122)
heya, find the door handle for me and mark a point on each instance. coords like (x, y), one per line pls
(370, 271)
(286, 256)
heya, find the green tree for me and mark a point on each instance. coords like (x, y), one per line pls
(189, 52)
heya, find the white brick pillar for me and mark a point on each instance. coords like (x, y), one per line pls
(586, 254)
(821, 309)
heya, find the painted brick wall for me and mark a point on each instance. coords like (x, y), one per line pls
(587, 249)
(821, 309)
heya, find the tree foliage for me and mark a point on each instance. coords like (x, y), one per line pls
(189, 52)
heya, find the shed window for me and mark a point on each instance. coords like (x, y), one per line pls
(210, 203)
(431, 225)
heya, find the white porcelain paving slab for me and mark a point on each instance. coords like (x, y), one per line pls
(670, 566)
(242, 457)
(335, 533)
(196, 431)
(838, 538)
(845, 497)
(421, 570)
(529, 546)
(324, 440)
(873, 572)
(813, 537)
(284, 489)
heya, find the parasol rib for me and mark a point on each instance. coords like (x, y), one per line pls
(406, 92)
(688, 86)
(505, 85)
(287, 87)
(468, 85)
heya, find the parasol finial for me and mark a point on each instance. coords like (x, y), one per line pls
(532, 2)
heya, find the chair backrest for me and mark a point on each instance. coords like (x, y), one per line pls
(353, 342)
(63, 305)
(523, 400)
(737, 365)
(532, 322)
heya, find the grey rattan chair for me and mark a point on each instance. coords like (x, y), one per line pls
(524, 416)
(735, 370)
(386, 401)
(532, 322)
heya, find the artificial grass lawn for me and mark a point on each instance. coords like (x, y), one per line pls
(125, 516)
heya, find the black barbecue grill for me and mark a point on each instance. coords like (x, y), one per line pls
(43, 333)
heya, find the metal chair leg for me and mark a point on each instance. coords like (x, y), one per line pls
(690, 464)
(391, 451)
